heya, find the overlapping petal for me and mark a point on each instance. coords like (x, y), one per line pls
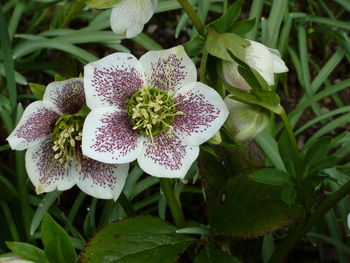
(112, 80)
(168, 69)
(68, 95)
(167, 156)
(35, 125)
(101, 180)
(47, 173)
(108, 136)
(203, 113)
(129, 16)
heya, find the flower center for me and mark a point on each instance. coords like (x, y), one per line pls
(67, 137)
(152, 110)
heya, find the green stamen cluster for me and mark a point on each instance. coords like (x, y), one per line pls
(152, 111)
(67, 138)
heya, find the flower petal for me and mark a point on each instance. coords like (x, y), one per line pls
(278, 64)
(112, 80)
(35, 126)
(204, 112)
(167, 156)
(232, 76)
(168, 69)
(129, 16)
(47, 173)
(68, 95)
(101, 180)
(108, 136)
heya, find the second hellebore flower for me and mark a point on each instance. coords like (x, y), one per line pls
(264, 60)
(151, 109)
(129, 16)
(51, 132)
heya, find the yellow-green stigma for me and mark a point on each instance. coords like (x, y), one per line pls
(152, 111)
(67, 138)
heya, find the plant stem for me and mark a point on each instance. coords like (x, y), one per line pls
(167, 186)
(198, 24)
(203, 67)
(125, 203)
(299, 232)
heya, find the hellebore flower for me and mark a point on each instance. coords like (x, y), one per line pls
(51, 131)
(152, 110)
(129, 16)
(264, 60)
(14, 260)
(245, 121)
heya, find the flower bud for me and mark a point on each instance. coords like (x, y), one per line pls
(264, 60)
(245, 121)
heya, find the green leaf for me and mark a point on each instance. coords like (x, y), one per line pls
(218, 44)
(136, 240)
(54, 252)
(212, 255)
(102, 3)
(223, 23)
(27, 251)
(250, 209)
(286, 153)
(242, 27)
(50, 231)
(37, 90)
(195, 46)
(67, 13)
(264, 98)
(289, 194)
(323, 163)
(271, 176)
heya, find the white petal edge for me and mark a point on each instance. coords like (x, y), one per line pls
(97, 97)
(212, 113)
(98, 188)
(129, 16)
(232, 76)
(92, 132)
(169, 68)
(23, 135)
(148, 162)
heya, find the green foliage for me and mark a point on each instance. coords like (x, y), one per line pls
(37, 90)
(136, 240)
(67, 13)
(211, 254)
(28, 252)
(102, 3)
(271, 176)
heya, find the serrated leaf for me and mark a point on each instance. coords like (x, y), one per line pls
(67, 13)
(223, 23)
(218, 44)
(271, 176)
(27, 252)
(250, 209)
(50, 230)
(102, 3)
(242, 27)
(38, 90)
(136, 240)
(213, 255)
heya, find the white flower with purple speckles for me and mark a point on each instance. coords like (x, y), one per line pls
(129, 16)
(51, 132)
(151, 109)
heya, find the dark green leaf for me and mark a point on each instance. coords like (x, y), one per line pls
(323, 163)
(102, 3)
(54, 252)
(285, 150)
(213, 255)
(50, 230)
(222, 24)
(317, 151)
(37, 90)
(242, 27)
(136, 240)
(195, 46)
(67, 13)
(289, 194)
(27, 251)
(271, 176)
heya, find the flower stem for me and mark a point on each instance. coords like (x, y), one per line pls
(198, 24)
(167, 186)
(125, 203)
(299, 232)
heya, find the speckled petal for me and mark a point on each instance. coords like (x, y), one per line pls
(167, 156)
(67, 95)
(204, 112)
(34, 127)
(108, 136)
(129, 16)
(112, 80)
(47, 173)
(168, 69)
(101, 180)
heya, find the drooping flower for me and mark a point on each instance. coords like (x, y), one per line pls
(51, 131)
(151, 109)
(244, 121)
(129, 16)
(14, 260)
(264, 60)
